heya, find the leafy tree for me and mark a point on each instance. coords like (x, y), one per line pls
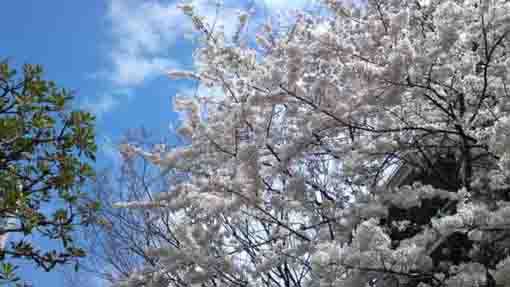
(366, 145)
(46, 149)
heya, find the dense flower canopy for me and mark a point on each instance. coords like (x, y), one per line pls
(367, 145)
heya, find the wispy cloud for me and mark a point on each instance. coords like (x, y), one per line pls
(280, 5)
(142, 33)
(132, 70)
(106, 102)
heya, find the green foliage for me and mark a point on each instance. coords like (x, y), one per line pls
(46, 151)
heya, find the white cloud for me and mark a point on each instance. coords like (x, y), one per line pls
(143, 33)
(101, 105)
(276, 5)
(132, 70)
(106, 102)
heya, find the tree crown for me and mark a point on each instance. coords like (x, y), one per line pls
(46, 151)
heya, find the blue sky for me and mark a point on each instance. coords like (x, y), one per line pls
(113, 54)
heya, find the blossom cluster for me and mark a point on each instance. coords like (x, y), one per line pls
(362, 146)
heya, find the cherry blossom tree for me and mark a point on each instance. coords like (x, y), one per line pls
(366, 145)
